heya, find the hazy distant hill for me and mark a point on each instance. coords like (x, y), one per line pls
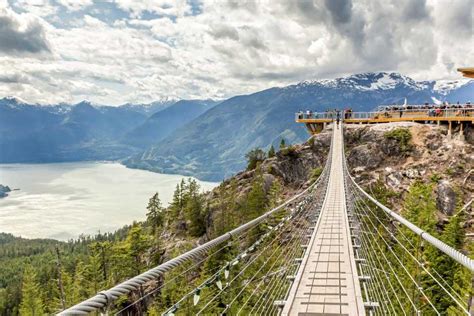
(164, 122)
(150, 108)
(85, 131)
(32, 133)
(213, 145)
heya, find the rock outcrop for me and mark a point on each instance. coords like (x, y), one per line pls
(445, 197)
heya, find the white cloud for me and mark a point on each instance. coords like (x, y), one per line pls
(21, 34)
(75, 5)
(236, 47)
(162, 7)
(40, 8)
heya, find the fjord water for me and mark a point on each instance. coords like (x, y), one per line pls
(64, 200)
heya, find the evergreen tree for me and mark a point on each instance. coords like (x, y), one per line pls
(282, 144)
(31, 302)
(453, 273)
(274, 194)
(81, 286)
(177, 204)
(3, 301)
(96, 268)
(271, 152)
(102, 249)
(254, 157)
(419, 208)
(155, 214)
(256, 198)
(136, 245)
(194, 209)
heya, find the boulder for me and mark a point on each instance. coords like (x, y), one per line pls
(4, 189)
(445, 197)
(268, 180)
(411, 173)
(394, 180)
(364, 156)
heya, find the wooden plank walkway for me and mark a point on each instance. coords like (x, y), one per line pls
(327, 282)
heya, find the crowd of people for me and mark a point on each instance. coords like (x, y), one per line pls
(426, 106)
(432, 110)
(331, 114)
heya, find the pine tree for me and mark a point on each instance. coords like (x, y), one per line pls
(194, 209)
(451, 272)
(254, 157)
(271, 152)
(274, 194)
(256, 198)
(177, 204)
(136, 244)
(81, 286)
(282, 144)
(155, 214)
(420, 209)
(94, 273)
(31, 302)
(102, 249)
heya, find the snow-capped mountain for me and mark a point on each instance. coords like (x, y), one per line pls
(195, 137)
(214, 145)
(386, 81)
(12, 101)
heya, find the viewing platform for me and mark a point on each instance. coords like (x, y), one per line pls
(463, 115)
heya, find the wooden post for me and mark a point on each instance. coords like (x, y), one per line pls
(449, 130)
(461, 131)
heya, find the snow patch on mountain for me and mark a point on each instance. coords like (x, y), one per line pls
(445, 86)
(385, 82)
(12, 101)
(368, 82)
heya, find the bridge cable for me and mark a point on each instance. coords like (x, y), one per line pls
(195, 265)
(252, 260)
(104, 298)
(417, 261)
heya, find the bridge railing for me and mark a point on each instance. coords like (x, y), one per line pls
(391, 113)
(404, 269)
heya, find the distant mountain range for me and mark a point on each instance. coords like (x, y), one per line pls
(83, 131)
(164, 122)
(202, 138)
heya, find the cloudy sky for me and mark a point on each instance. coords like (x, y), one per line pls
(117, 51)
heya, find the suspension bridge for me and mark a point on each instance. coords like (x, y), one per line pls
(332, 249)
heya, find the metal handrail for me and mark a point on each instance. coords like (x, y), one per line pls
(400, 113)
(448, 250)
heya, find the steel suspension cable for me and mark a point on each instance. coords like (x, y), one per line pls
(240, 272)
(417, 261)
(240, 238)
(104, 298)
(273, 284)
(422, 292)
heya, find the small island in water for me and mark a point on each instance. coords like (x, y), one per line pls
(4, 189)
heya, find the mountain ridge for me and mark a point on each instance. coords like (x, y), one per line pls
(209, 143)
(237, 125)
